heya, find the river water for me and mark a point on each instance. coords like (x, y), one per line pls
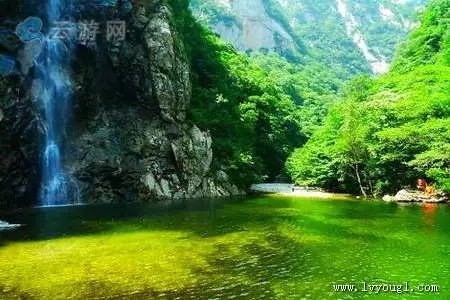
(267, 247)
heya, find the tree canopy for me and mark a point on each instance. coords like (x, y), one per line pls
(387, 132)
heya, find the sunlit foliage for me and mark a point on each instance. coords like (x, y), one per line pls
(390, 131)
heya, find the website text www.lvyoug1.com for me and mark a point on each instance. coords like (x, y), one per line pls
(404, 287)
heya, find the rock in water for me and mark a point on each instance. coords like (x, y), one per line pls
(416, 196)
(409, 196)
(7, 226)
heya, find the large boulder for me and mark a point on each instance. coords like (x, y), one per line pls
(416, 196)
(409, 196)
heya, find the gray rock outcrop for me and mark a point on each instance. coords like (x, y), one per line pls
(252, 27)
(408, 196)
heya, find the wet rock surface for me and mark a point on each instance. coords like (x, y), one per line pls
(19, 147)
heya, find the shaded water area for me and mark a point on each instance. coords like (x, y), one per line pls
(268, 247)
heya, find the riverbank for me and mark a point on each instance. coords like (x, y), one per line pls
(295, 191)
(318, 194)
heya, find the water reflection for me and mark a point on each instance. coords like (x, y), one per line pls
(429, 214)
(254, 248)
(53, 222)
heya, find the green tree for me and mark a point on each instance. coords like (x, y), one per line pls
(392, 130)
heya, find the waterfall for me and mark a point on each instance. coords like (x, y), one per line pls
(53, 75)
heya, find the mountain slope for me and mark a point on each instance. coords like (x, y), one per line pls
(359, 36)
(393, 130)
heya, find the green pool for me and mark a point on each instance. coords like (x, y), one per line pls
(270, 247)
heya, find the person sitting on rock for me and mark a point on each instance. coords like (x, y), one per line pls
(422, 185)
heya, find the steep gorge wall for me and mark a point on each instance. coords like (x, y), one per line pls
(129, 138)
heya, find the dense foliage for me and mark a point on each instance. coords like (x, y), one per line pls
(389, 131)
(254, 123)
(312, 86)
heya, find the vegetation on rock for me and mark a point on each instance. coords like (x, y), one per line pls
(253, 120)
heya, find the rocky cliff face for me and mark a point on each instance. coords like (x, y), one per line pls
(350, 32)
(19, 130)
(251, 26)
(129, 138)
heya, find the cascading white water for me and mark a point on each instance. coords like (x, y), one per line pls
(55, 95)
